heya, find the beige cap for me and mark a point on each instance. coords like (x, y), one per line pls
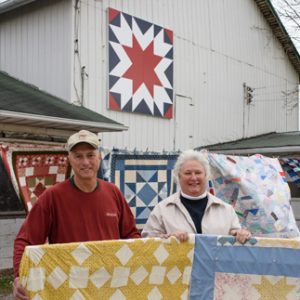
(83, 136)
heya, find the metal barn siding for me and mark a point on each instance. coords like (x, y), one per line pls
(218, 46)
(35, 45)
(145, 131)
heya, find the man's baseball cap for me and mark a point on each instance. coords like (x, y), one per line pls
(83, 136)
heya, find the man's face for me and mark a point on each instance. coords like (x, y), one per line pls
(85, 161)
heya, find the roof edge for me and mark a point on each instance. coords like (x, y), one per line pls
(12, 4)
(41, 118)
(267, 9)
(237, 141)
(279, 150)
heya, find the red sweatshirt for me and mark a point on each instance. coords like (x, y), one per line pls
(65, 214)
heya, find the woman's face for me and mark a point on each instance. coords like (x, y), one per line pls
(192, 178)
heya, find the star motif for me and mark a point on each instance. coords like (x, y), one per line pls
(279, 290)
(140, 66)
(142, 69)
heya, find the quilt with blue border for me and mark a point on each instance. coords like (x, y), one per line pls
(263, 268)
(144, 179)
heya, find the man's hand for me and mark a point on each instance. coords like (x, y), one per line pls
(19, 291)
(242, 235)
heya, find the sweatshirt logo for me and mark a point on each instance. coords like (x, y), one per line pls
(111, 214)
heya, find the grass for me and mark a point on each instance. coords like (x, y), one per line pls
(6, 282)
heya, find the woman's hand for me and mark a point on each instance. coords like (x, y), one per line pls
(19, 291)
(182, 236)
(241, 235)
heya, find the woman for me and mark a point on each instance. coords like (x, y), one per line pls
(192, 209)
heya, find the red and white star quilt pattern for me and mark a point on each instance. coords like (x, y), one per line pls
(140, 66)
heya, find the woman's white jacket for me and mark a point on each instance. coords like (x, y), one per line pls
(170, 215)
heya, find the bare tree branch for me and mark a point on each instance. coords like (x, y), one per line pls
(289, 12)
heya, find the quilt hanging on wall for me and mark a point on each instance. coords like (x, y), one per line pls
(34, 170)
(140, 66)
(204, 268)
(257, 188)
(144, 180)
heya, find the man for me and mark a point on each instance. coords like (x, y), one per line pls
(82, 208)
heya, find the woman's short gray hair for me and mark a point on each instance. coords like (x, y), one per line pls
(191, 155)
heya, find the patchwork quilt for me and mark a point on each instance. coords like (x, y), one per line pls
(263, 268)
(144, 180)
(257, 188)
(129, 269)
(204, 268)
(104, 169)
(34, 170)
(291, 166)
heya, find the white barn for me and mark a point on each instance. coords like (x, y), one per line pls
(220, 48)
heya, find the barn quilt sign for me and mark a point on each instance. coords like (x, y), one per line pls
(140, 66)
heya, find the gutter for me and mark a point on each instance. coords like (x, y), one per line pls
(286, 149)
(7, 5)
(47, 119)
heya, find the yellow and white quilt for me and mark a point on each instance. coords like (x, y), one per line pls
(204, 268)
(128, 269)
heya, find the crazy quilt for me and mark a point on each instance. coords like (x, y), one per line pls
(291, 166)
(140, 66)
(144, 180)
(204, 268)
(33, 170)
(129, 269)
(257, 188)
